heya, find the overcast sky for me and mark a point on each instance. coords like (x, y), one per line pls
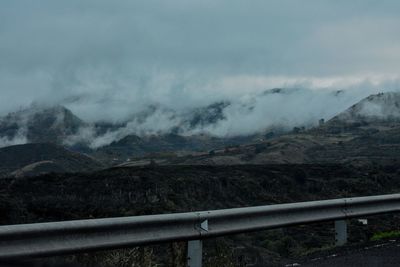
(124, 54)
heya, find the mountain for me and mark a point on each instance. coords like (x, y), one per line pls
(182, 137)
(117, 142)
(382, 107)
(59, 125)
(209, 115)
(39, 158)
(38, 124)
(367, 132)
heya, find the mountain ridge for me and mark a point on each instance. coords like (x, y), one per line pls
(350, 137)
(351, 128)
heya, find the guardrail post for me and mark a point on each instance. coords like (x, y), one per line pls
(195, 253)
(340, 232)
(195, 248)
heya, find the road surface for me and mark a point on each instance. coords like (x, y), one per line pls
(385, 254)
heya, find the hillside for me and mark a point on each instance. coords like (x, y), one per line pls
(39, 124)
(383, 107)
(165, 189)
(364, 133)
(164, 145)
(39, 158)
(352, 136)
(115, 141)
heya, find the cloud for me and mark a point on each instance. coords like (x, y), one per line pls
(18, 139)
(254, 112)
(107, 61)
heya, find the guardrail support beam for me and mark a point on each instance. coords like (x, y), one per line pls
(195, 253)
(340, 232)
(70, 237)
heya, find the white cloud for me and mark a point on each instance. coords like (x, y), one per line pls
(107, 60)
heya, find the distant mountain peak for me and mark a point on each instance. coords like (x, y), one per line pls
(211, 114)
(377, 107)
(40, 124)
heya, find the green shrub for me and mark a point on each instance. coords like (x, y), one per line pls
(384, 235)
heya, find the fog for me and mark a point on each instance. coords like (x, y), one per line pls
(244, 114)
(110, 60)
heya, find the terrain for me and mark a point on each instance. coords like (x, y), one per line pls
(113, 143)
(383, 254)
(365, 133)
(38, 125)
(39, 158)
(355, 136)
(156, 128)
(165, 189)
(56, 174)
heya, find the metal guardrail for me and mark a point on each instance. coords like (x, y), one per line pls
(56, 238)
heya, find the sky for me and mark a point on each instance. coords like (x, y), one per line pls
(106, 60)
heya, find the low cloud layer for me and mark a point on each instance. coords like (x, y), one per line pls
(109, 60)
(279, 108)
(111, 118)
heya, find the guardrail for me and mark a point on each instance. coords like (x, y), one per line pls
(57, 238)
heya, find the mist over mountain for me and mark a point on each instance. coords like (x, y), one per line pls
(198, 136)
(37, 124)
(279, 109)
(365, 133)
(129, 68)
(247, 116)
(378, 107)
